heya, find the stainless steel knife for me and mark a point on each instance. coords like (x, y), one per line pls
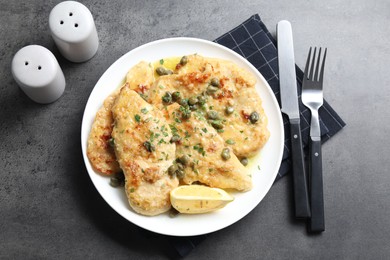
(290, 107)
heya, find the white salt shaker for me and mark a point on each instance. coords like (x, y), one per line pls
(73, 30)
(37, 72)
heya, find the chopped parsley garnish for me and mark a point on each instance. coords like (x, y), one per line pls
(204, 130)
(144, 110)
(145, 97)
(137, 118)
(230, 141)
(162, 61)
(173, 128)
(152, 135)
(200, 149)
(199, 115)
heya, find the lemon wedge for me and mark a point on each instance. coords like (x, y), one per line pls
(196, 199)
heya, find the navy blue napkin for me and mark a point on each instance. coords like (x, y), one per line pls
(253, 41)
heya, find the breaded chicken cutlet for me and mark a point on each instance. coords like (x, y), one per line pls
(99, 147)
(142, 146)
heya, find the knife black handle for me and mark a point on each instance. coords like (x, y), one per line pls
(317, 221)
(301, 199)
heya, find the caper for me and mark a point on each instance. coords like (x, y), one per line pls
(117, 180)
(184, 160)
(214, 82)
(149, 146)
(225, 154)
(167, 98)
(161, 71)
(192, 165)
(185, 112)
(212, 114)
(184, 102)
(186, 115)
(229, 110)
(244, 161)
(216, 124)
(120, 175)
(194, 107)
(184, 60)
(254, 117)
(202, 100)
(111, 142)
(193, 100)
(211, 90)
(176, 96)
(175, 139)
(172, 170)
(180, 166)
(180, 174)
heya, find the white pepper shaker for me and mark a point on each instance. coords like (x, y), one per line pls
(73, 30)
(37, 72)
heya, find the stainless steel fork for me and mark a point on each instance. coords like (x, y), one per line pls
(312, 98)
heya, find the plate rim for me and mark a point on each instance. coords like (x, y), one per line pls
(214, 45)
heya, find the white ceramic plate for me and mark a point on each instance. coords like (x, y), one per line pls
(269, 159)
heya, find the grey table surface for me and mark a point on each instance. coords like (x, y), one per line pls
(49, 209)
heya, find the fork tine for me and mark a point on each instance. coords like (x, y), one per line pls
(312, 64)
(317, 66)
(307, 65)
(322, 67)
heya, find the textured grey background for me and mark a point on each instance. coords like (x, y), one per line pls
(49, 207)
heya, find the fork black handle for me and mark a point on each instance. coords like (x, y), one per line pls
(301, 199)
(317, 220)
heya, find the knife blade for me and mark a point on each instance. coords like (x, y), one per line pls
(290, 107)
